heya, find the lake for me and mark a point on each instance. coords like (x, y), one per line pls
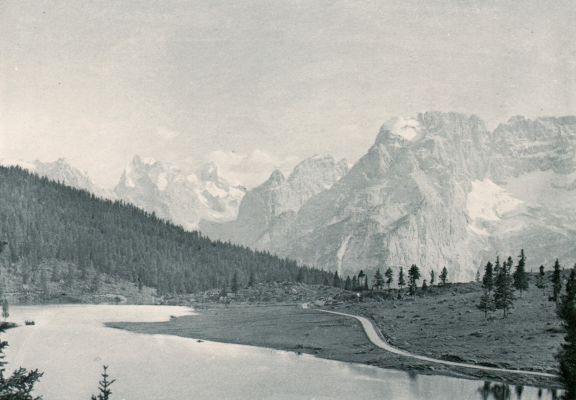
(70, 344)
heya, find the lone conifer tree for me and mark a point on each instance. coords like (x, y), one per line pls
(378, 280)
(444, 276)
(336, 282)
(432, 277)
(567, 354)
(488, 278)
(424, 285)
(504, 289)
(556, 281)
(104, 386)
(389, 274)
(486, 300)
(540, 281)
(413, 276)
(361, 276)
(348, 283)
(401, 281)
(520, 276)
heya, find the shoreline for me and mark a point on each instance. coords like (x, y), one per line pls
(289, 327)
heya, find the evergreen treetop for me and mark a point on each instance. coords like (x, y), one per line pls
(488, 278)
(520, 276)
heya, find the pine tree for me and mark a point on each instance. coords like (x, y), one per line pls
(413, 277)
(424, 285)
(478, 279)
(504, 289)
(401, 281)
(486, 303)
(20, 384)
(336, 280)
(104, 386)
(497, 266)
(361, 276)
(520, 276)
(540, 280)
(389, 274)
(488, 278)
(432, 277)
(354, 283)
(567, 354)
(348, 283)
(378, 280)
(556, 281)
(444, 276)
(366, 287)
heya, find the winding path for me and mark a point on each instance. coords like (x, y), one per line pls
(377, 338)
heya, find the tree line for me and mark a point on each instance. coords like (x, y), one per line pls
(361, 281)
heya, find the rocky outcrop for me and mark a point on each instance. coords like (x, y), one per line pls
(183, 197)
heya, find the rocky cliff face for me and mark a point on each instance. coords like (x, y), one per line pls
(436, 190)
(268, 209)
(183, 197)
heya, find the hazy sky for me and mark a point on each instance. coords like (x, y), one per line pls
(255, 84)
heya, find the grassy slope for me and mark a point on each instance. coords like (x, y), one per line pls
(448, 323)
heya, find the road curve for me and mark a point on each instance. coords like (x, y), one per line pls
(376, 337)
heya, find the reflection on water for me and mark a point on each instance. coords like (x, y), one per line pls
(500, 391)
(70, 344)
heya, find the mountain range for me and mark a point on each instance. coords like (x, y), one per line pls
(438, 189)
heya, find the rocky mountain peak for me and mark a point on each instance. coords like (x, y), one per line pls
(276, 178)
(181, 196)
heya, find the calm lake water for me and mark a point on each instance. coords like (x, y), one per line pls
(70, 344)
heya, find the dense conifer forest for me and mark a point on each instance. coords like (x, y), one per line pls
(42, 220)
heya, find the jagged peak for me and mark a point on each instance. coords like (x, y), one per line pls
(276, 178)
(146, 161)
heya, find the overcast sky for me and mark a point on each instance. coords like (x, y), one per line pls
(255, 84)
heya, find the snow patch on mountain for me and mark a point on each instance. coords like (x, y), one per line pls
(341, 252)
(488, 201)
(406, 128)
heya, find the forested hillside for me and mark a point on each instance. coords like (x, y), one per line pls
(43, 220)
